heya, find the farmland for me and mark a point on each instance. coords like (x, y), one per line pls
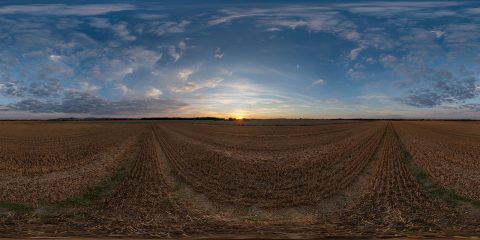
(179, 179)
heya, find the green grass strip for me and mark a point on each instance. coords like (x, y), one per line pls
(17, 208)
(429, 186)
(96, 194)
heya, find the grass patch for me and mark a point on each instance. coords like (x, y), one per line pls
(429, 186)
(344, 200)
(179, 181)
(432, 188)
(97, 193)
(17, 208)
(251, 218)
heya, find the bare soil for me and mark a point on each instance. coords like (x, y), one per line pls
(298, 179)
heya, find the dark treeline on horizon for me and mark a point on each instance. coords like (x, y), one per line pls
(231, 119)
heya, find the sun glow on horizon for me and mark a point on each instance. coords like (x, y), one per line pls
(239, 115)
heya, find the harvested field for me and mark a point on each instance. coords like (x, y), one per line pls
(180, 179)
(448, 152)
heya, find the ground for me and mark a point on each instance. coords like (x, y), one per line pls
(240, 179)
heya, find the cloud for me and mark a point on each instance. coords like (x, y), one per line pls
(40, 71)
(273, 29)
(172, 50)
(352, 35)
(100, 23)
(442, 87)
(31, 105)
(47, 88)
(121, 30)
(212, 82)
(318, 82)
(184, 74)
(123, 63)
(217, 54)
(55, 58)
(62, 9)
(423, 98)
(327, 18)
(182, 45)
(472, 106)
(176, 52)
(393, 7)
(86, 103)
(388, 60)
(192, 86)
(373, 97)
(355, 74)
(438, 33)
(462, 35)
(88, 87)
(473, 10)
(11, 89)
(154, 93)
(354, 53)
(291, 17)
(123, 89)
(149, 16)
(327, 22)
(161, 29)
(230, 15)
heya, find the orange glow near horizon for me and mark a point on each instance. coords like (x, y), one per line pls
(239, 115)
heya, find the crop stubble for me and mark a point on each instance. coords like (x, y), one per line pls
(265, 167)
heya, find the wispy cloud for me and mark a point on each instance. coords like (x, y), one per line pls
(176, 52)
(161, 29)
(393, 7)
(121, 30)
(192, 86)
(63, 9)
(355, 52)
(217, 54)
(318, 82)
(184, 74)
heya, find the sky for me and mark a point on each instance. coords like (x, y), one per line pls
(253, 59)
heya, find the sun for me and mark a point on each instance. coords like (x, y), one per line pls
(238, 115)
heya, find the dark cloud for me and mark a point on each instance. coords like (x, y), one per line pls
(39, 89)
(422, 98)
(49, 88)
(12, 89)
(75, 102)
(31, 105)
(472, 106)
(82, 102)
(442, 87)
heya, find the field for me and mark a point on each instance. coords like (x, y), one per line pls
(303, 178)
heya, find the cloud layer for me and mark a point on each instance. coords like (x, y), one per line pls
(289, 59)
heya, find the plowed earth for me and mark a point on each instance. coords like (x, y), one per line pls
(172, 179)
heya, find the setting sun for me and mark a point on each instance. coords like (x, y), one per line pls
(238, 115)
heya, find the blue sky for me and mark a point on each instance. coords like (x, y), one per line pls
(310, 59)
